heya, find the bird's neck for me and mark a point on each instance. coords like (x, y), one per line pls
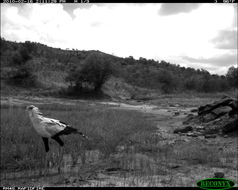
(35, 117)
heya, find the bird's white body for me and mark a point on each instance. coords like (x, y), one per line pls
(50, 128)
(45, 127)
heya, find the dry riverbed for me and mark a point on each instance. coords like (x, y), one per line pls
(165, 159)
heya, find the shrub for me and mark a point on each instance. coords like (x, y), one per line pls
(167, 80)
(92, 74)
(21, 72)
(232, 76)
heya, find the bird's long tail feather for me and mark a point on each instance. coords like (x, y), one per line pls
(70, 130)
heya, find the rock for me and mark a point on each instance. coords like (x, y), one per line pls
(173, 166)
(201, 137)
(189, 118)
(202, 110)
(112, 169)
(194, 110)
(197, 133)
(192, 135)
(210, 136)
(219, 117)
(183, 130)
(182, 134)
(200, 128)
(110, 184)
(66, 181)
(234, 106)
(221, 110)
(209, 117)
(219, 175)
(231, 126)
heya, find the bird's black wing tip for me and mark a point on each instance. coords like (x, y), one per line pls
(63, 123)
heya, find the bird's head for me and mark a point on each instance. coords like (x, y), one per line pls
(33, 109)
(30, 108)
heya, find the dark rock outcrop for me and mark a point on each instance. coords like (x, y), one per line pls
(216, 118)
(183, 130)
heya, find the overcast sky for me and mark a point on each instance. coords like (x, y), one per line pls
(194, 35)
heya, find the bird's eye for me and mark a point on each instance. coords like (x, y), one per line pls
(30, 107)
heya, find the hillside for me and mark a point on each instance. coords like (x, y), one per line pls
(51, 66)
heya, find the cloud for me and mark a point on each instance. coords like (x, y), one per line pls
(235, 15)
(96, 24)
(176, 8)
(122, 29)
(70, 7)
(226, 39)
(41, 23)
(215, 65)
(222, 60)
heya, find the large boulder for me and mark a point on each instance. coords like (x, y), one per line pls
(183, 130)
(227, 101)
(221, 111)
(218, 117)
(231, 126)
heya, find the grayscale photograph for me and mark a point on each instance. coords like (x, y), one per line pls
(119, 95)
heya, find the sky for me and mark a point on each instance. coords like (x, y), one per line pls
(189, 34)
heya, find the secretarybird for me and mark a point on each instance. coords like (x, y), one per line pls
(50, 128)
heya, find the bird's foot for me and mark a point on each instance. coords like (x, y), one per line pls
(46, 172)
(59, 170)
(40, 173)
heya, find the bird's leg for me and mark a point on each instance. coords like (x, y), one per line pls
(61, 143)
(46, 143)
(46, 164)
(58, 140)
(59, 159)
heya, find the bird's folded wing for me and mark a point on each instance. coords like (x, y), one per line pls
(56, 121)
(53, 126)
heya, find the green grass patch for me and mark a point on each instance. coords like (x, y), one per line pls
(22, 148)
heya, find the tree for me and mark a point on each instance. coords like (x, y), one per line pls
(191, 83)
(232, 76)
(168, 81)
(93, 73)
(21, 72)
(30, 47)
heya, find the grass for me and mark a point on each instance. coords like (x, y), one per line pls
(125, 140)
(22, 148)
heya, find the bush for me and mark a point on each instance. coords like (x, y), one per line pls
(168, 81)
(21, 72)
(22, 76)
(190, 83)
(92, 74)
(232, 76)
